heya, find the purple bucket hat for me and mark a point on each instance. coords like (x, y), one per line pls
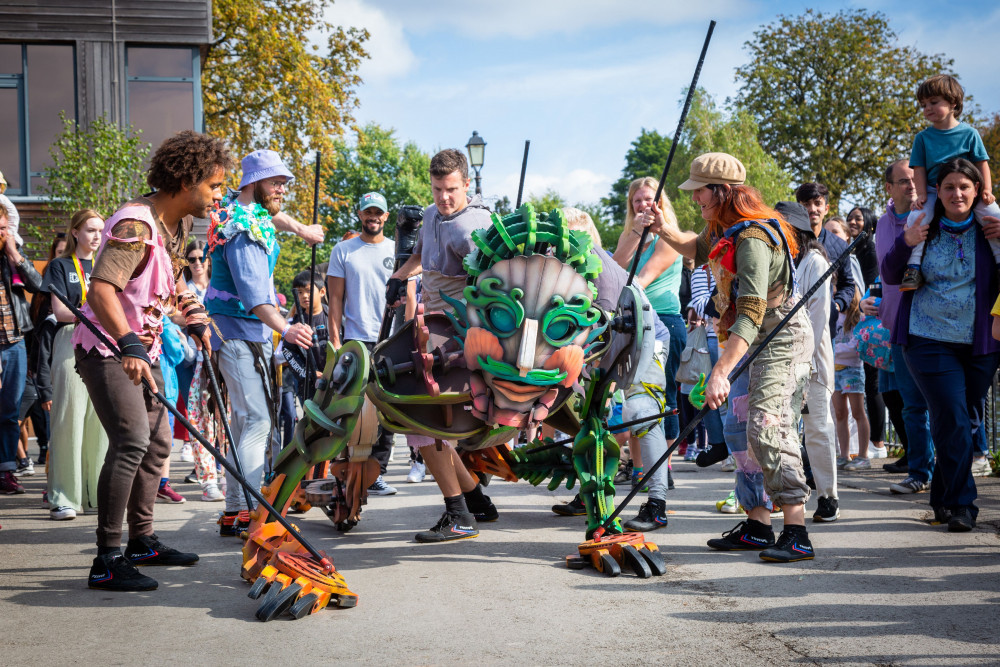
(263, 164)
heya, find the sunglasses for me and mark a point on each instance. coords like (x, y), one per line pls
(197, 258)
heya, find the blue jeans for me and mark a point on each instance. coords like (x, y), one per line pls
(678, 339)
(955, 383)
(919, 447)
(713, 420)
(14, 359)
(250, 416)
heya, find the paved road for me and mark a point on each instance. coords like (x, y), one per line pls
(886, 588)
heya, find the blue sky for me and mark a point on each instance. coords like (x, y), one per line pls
(580, 78)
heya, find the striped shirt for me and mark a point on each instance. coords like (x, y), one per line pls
(702, 284)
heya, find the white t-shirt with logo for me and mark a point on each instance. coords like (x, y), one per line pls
(365, 268)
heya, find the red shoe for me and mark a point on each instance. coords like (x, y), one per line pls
(233, 525)
(9, 484)
(168, 495)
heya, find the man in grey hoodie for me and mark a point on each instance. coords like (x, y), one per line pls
(445, 240)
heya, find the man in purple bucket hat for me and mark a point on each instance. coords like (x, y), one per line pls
(244, 308)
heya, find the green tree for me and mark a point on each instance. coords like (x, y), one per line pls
(710, 129)
(96, 167)
(990, 131)
(503, 206)
(834, 96)
(375, 161)
(546, 201)
(265, 84)
(608, 232)
(646, 157)
(706, 129)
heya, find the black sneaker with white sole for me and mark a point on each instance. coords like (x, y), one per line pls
(451, 526)
(827, 509)
(114, 572)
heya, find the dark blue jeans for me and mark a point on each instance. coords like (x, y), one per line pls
(14, 360)
(678, 339)
(919, 447)
(954, 382)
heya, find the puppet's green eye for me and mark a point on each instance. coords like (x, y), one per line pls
(560, 330)
(501, 320)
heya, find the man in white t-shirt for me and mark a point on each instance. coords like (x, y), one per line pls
(356, 279)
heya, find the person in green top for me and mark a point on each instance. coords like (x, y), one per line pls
(659, 275)
(750, 248)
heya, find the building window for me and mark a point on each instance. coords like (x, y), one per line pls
(164, 91)
(37, 82)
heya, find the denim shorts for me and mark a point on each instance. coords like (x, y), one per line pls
(849, 380)
(615, 420)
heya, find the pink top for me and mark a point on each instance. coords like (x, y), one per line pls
(144, 297)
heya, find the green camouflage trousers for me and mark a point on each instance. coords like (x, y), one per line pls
(778, 377)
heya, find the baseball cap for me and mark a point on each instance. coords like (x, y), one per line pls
(715, 169)
(794, 214)
(372, 199)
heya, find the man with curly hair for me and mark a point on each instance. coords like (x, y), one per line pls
(136, 278)
(244, 308)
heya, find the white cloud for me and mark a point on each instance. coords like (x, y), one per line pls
(523, 19)
(390, 55)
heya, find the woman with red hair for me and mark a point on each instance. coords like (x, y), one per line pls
(749, 248)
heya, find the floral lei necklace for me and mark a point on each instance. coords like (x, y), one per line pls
(227, 222)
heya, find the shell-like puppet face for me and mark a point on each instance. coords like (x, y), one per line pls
(528, 317)
(529, 320)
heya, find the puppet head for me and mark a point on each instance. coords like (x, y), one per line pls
(528, 317)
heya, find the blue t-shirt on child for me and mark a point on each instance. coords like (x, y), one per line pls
(933, 147)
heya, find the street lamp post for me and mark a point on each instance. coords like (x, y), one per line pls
(477, 150)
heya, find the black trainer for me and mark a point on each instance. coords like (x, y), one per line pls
(114, 572)
(148, 550)
(900, 466)
(716, 452)
(793, 545)
(827, 509)
(941, 516)
(748, 535)
(961, 521)
(574, 507)
(486, 512)
(652, 515)
(451, 526)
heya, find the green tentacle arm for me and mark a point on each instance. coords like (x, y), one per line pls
(328, 418)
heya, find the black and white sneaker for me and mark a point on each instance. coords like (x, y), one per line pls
(827, 509)
(148, 550)
(748, 535)
(574, 507)
(652, 515)
(380, 488)
(793, 545)
(114, 572)
(451, 526)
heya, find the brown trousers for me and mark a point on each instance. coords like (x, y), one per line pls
(139, 441)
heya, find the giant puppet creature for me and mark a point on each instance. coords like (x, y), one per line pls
(525, 346)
